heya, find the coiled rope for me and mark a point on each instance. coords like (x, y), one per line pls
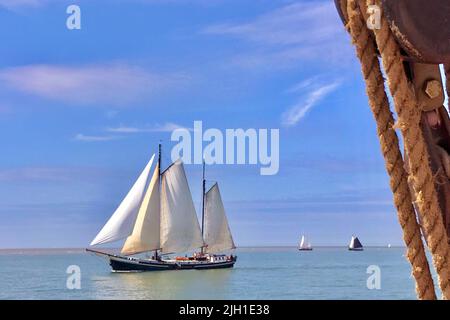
(420, 175)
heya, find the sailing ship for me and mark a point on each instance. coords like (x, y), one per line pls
(355, 244)
(304, 244)
(160, 218)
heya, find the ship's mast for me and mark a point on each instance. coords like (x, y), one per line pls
(203, 202)
(159, 182)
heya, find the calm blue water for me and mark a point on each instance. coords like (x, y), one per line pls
(271, 273)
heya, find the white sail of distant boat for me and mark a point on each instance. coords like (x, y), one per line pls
(121, 223)
(355, 244)
(304, 244)
(217, 232)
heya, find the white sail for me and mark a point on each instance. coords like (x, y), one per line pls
(145, 236)
(303, 242)
(180, 230)
(217, 231)
(352, 242)
(121, 223)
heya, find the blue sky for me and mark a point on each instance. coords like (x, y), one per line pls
(81, 111)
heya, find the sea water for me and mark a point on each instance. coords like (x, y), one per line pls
(260, 273)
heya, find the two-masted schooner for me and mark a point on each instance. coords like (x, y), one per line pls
(160, 217)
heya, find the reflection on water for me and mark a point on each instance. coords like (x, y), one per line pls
(186, 284)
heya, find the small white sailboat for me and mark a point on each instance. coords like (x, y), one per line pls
(304, 244)
(161, 218)
(355, 244)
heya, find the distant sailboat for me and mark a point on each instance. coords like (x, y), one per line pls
(162, 219)
(389, 245)
(355, 244)
(304, 244)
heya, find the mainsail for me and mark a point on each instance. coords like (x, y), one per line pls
(121, 223)
(180, 230)
(146, 235)
(217, 232)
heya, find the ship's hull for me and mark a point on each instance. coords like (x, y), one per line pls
(305, 249)
(119, 264)
(128, 264)
(355, 249)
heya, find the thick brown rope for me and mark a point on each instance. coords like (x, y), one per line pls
(421, 176)
(379, 104)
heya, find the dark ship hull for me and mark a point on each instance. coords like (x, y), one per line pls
(129, 264)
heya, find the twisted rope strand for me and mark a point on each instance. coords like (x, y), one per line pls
(379, 104)
(421, 175)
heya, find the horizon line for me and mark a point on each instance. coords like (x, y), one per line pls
(239, 247)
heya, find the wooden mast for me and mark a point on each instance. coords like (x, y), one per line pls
(203, 203)
(159, 183)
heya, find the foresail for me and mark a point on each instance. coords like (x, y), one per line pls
(352, 242)
(180, 230)
(121, 223)
(145, 236)
(217, 231)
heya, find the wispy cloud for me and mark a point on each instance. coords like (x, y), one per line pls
(91, 138)
(15, 4)
(316, 92)
(35, 173)
(116, 84)
(120, 131)
(166, 127)
(303, 30)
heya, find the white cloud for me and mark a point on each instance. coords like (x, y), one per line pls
(37, 173)
(290, 34)
(316, 93)
(307, 83)
(89, 138)
(15, 4)
(166, 127)
(115, 84)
